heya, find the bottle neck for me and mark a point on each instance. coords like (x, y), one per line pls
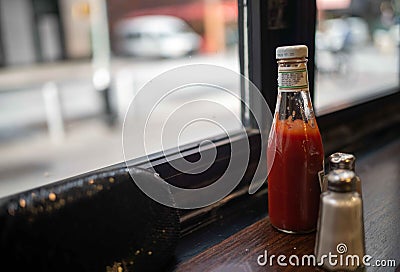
(293, 101)
(292, 75)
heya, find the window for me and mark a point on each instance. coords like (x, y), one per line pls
(51, 107)
(60, 118)
(357, 52)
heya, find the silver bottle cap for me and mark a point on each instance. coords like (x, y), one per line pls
(340, 160)
(293, 51)
(341, 180)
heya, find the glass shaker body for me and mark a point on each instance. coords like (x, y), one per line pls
(341, 223)
(293, 182)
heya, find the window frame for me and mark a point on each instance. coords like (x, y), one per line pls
(335, 127)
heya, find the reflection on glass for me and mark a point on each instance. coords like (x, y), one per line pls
(357, 52)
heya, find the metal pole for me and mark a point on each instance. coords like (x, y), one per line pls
(54, 116)
(101, 55)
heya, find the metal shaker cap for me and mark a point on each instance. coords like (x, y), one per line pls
(340, 160)
(341, 180)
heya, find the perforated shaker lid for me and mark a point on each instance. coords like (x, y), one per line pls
(341, 160)
(290, 52)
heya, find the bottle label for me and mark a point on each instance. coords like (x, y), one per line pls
(290, 78)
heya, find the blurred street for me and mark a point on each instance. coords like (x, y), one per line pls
(366, 74)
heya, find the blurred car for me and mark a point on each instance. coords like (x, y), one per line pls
(156, 36)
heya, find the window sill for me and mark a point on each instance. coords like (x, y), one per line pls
(240, 250)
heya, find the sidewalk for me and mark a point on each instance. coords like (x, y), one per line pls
(25, 77)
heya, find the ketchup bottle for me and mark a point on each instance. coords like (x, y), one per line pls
(295, 141)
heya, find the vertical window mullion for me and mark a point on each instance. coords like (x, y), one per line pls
(267, 30)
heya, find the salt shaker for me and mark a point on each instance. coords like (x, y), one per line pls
(340, 230)
(341, 160)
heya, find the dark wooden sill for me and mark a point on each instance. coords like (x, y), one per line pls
(379, 170)
(240, 251)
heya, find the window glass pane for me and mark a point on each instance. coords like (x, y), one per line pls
(61, 61)
(357, 52)
(149, 38)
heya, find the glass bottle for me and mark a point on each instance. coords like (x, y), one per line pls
(295, 142)
(345, 161)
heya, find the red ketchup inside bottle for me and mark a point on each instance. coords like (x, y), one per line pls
(293, 183)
